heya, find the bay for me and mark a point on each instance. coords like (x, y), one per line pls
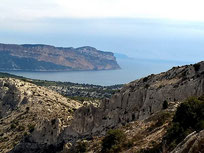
(131, 69)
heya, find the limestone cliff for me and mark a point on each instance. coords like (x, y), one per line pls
(26, 108)
(50, 58)
(141, 98)
(137, 100)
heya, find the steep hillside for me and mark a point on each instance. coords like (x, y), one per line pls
(133, 109)
(141, 98)
(23, 105)
(50, 58)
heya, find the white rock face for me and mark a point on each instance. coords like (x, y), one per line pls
(27, 109)
(139, 99)
(136, 101)
(192, 144)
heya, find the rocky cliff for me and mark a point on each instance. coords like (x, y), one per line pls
(25, 107)
(50, 58)
(140, 99)
(136, 101)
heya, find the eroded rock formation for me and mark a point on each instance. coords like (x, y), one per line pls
(136, 101)
(27, 109)
(141, 98)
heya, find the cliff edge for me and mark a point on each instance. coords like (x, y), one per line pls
(49, 58)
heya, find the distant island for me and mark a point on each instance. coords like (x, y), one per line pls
(39, 57)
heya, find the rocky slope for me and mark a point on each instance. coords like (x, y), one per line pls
(50, 58)
(136, 101)
(24, 107)
(71, 90)
(194, 143)
(141, 98)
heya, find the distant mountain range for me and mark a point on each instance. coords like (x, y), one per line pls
(49, 58)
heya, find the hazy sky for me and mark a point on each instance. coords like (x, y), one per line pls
(171, 9)
(153, 29)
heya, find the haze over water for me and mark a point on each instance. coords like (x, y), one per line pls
(131, 70)
(157, 34)
(155, 45)
(157, 39)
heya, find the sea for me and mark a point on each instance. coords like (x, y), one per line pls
(131, 69)
(153, 45)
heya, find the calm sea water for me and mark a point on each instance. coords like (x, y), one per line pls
(131, 70)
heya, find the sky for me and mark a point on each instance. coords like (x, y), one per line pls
(151, 29)
(34, 9)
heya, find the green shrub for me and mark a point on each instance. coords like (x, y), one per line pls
(13, 126)
(145, 79)
(190, 113)
(200, 125)
(196, 67)
(163, 118)
(165, 104)
(31, 128)
(27, 109)
(81, 147)
(25, 134)
(113, 141)
(147, 86)
(21, 128)
(189, 117)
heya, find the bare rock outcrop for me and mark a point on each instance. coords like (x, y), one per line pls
(193, 143)
(31, 116)
(58, 126)
(139, 99)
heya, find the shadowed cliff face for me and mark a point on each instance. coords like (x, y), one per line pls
(50, 58)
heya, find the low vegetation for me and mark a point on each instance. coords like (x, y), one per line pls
(188, 118)
(76, 91)
(80, 147)
(81, 92)
(165, 104)
(115, 141)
